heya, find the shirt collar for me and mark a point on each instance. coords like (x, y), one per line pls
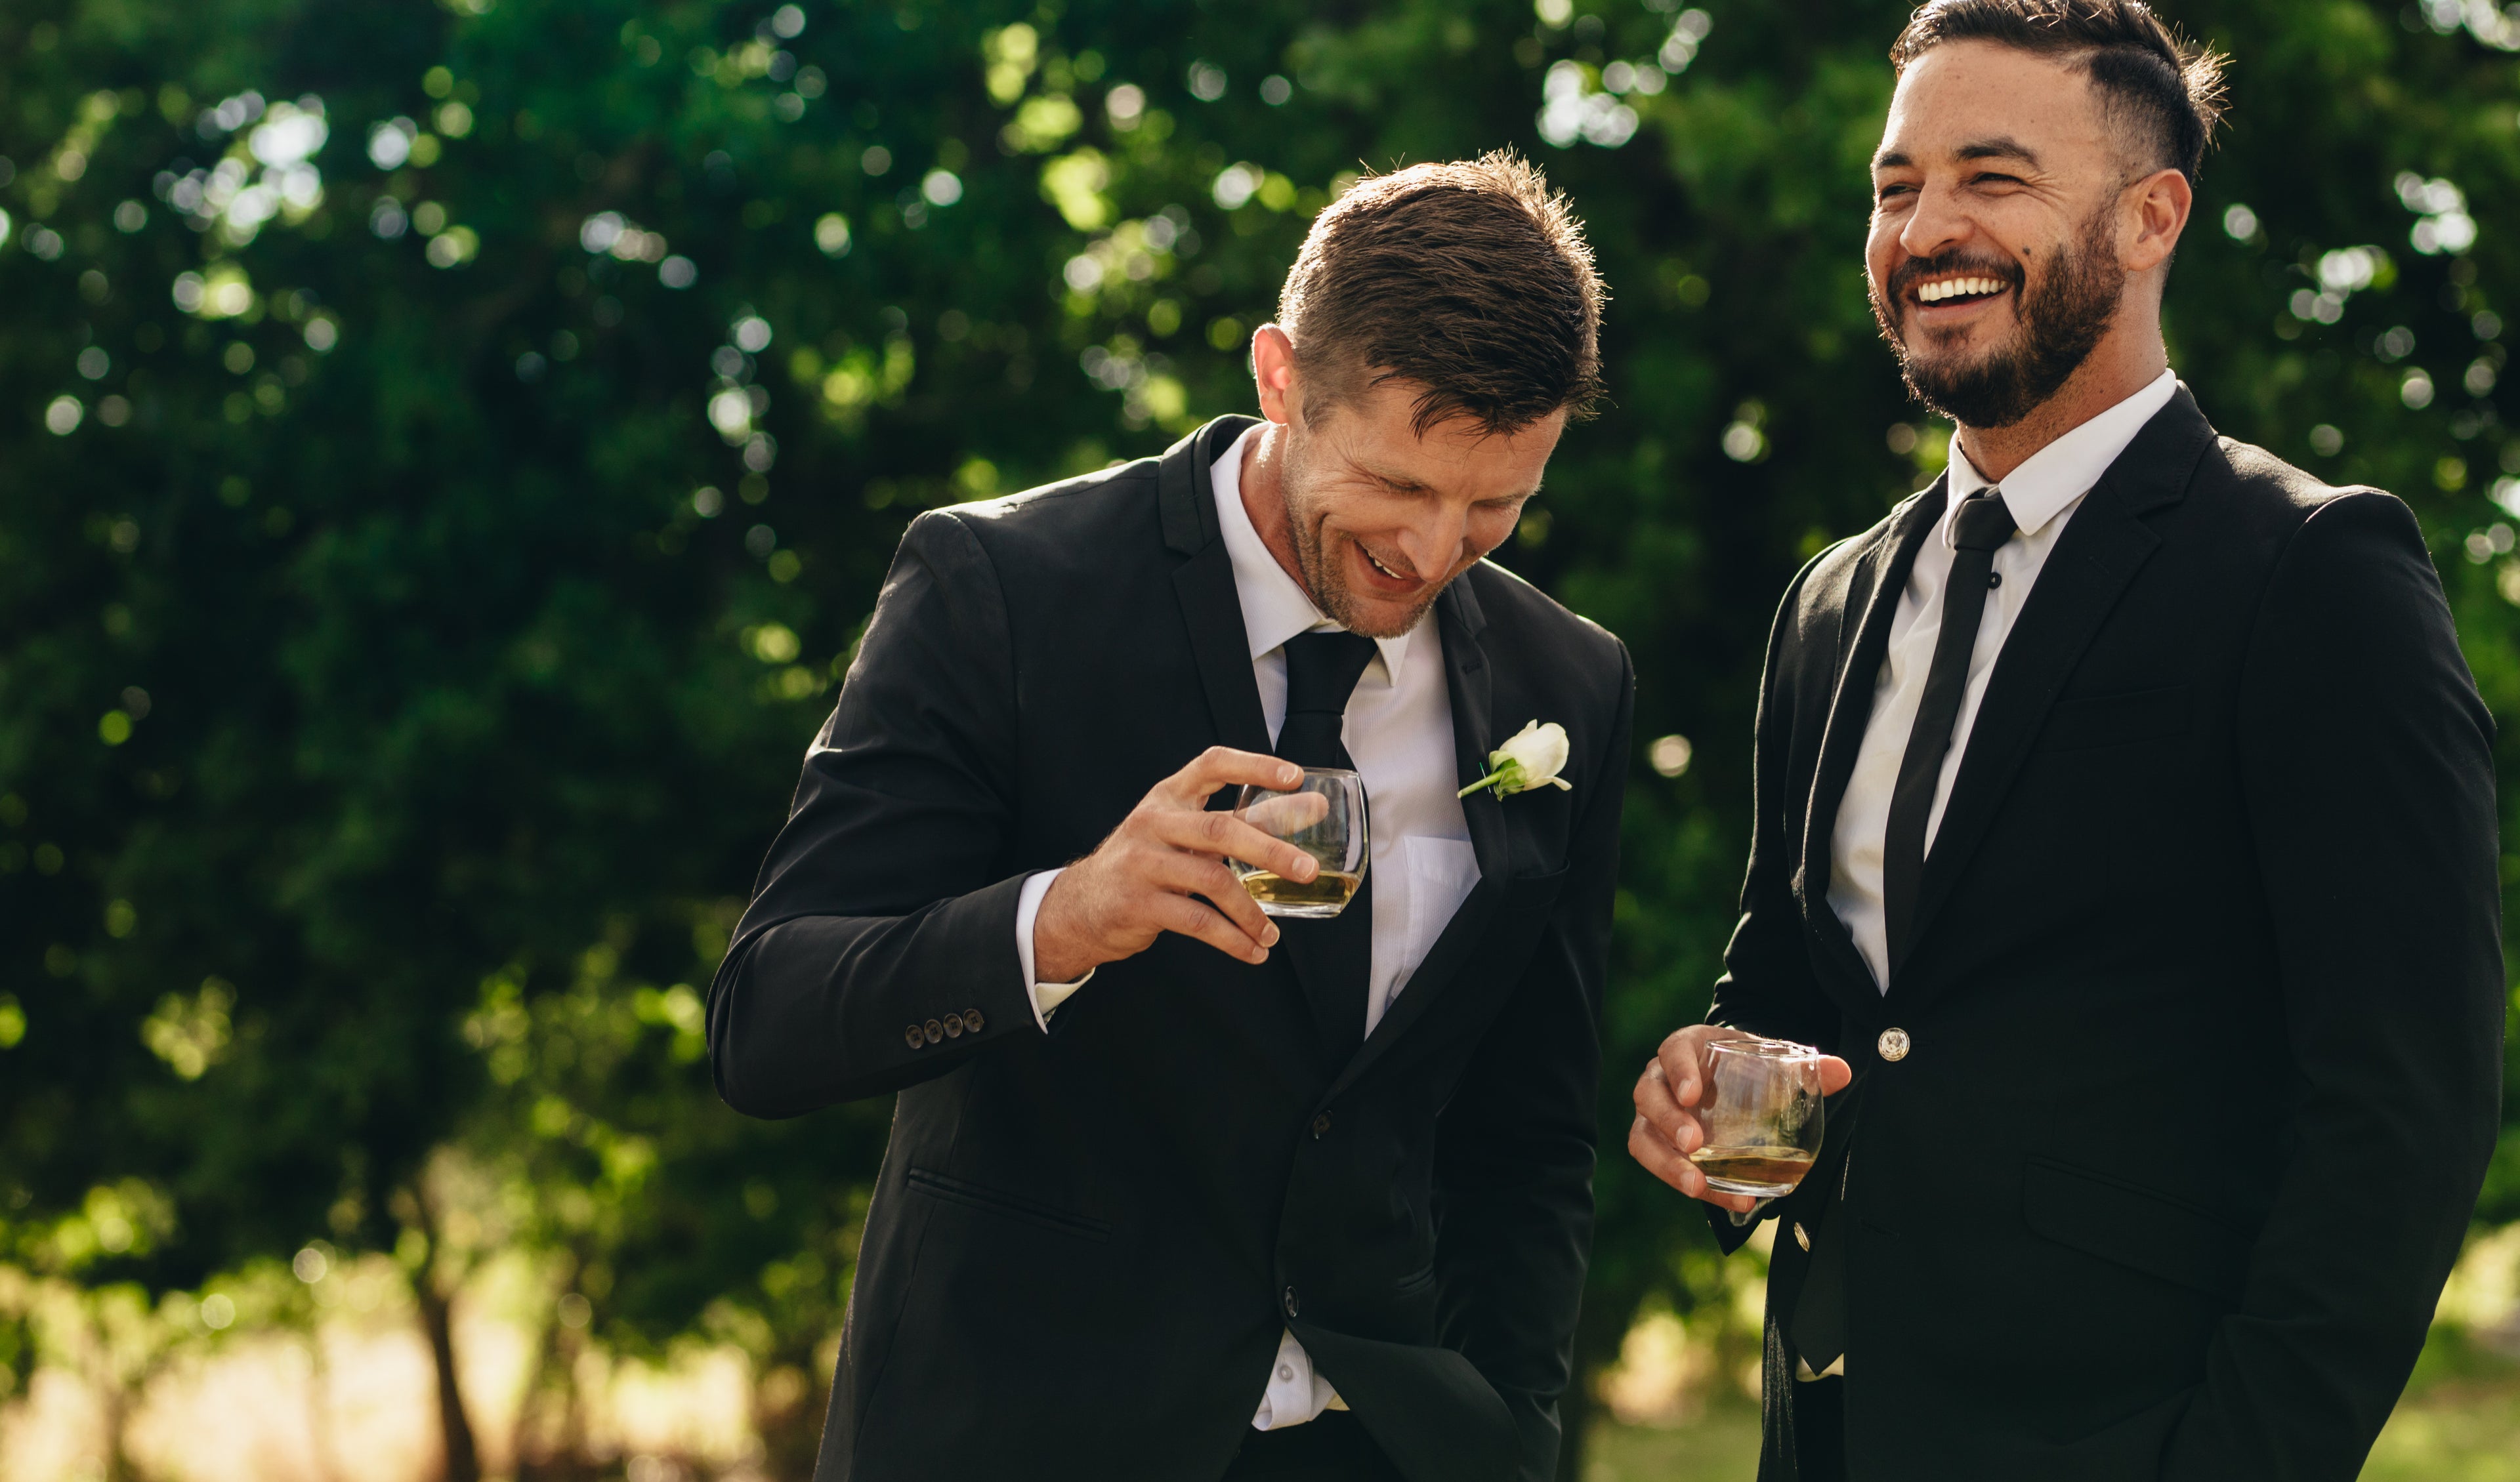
(1275, 605)
(2051, 479)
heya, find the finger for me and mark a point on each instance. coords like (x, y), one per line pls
(1225, 767)
(1656, 1157)
(1677, 1126)
(1224, 835)
(1192, 875)
(1678, 1056)
(1188, 918)
(1835, 1075)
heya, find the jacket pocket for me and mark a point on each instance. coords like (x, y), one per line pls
(952, 1191)
(2117, 720)
(2149, 1233)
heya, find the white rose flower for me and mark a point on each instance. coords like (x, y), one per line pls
(1531, 757)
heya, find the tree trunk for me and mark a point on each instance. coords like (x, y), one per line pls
(454, 1427)
(437, 1316)
(463, 1458)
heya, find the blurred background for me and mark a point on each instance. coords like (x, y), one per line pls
(449, 450)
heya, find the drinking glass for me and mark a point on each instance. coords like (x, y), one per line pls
(1762, 1117)
(1324, 815)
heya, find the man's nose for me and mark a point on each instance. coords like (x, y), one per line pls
(1937, 224)
(1432, 545)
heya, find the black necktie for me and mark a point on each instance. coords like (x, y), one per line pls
(1337, 954)
(1321, 671)
(1979, 528)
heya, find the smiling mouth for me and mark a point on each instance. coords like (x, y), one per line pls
(1967, 289)
(1383, 570)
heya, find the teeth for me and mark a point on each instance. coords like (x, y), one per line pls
(1380, 566)
(1954, 287)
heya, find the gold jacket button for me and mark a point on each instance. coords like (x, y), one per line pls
(1894, 1045)
(971, 1022)
(936, 1031)
(1801, 1238)
(915, 1036)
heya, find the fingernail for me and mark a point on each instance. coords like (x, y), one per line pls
(1268, 937)
(1258, 957)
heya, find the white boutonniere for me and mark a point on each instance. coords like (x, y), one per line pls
(1531, 757)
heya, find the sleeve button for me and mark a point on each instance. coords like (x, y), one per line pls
(935, 1030)
(914, 1035)
(953, 1026)
(971, 1022)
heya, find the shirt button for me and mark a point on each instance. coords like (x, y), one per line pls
(1286, 1373)
(914, 1035)
(1994, 579)
(1292, 1304)
(1894, 1045)
(953, 1026)
(971, 1022)
(1321, 1125)
(935, 1031)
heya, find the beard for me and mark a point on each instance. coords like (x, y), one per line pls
(1324, 581)
(2063, 318)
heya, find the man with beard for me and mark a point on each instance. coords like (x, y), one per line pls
(1178, 1191)
(2124, 820)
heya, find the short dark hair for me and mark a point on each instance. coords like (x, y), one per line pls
(2161, 86)
(1472, 280)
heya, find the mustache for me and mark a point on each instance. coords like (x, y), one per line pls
(1917, 269)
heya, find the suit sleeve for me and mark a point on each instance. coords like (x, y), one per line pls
(1768, 986)
(882, 907)
(2367, 766)
(1513, 1168)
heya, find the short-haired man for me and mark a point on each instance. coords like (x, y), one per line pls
(2126, 817)
(1246, 1204)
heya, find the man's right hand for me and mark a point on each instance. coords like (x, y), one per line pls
(1146, 878)
(1667, 1131)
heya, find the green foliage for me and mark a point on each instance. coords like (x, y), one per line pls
(449, 454)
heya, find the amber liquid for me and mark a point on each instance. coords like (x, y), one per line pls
(1324, 894)
(1765, 1171)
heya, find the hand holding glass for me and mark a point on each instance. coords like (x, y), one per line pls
(1324, 815)
(1761, 1115)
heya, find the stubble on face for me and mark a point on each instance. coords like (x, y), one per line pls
(1317, 551)
(2062, 317)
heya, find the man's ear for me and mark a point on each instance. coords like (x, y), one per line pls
(1272, 368)
(2162, 201)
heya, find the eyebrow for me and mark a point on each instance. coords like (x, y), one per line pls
(2002, 147)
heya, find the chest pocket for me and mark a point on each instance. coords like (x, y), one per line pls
(2118, 720)
(1442, 873)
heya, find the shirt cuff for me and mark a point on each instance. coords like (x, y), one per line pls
(1046, 997)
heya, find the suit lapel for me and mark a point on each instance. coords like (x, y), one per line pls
(1872, 601)
(1471, 685)
(2105, 544)
(1212, 611)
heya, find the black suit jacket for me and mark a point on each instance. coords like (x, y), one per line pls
(1084, 1243)
(2205, 995)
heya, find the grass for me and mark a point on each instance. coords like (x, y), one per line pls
(2458, 1422)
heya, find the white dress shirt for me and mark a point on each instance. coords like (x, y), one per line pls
(2042, 495)
(1399, 732)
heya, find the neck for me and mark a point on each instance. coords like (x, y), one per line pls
(2121, 365)
(1263, 486)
